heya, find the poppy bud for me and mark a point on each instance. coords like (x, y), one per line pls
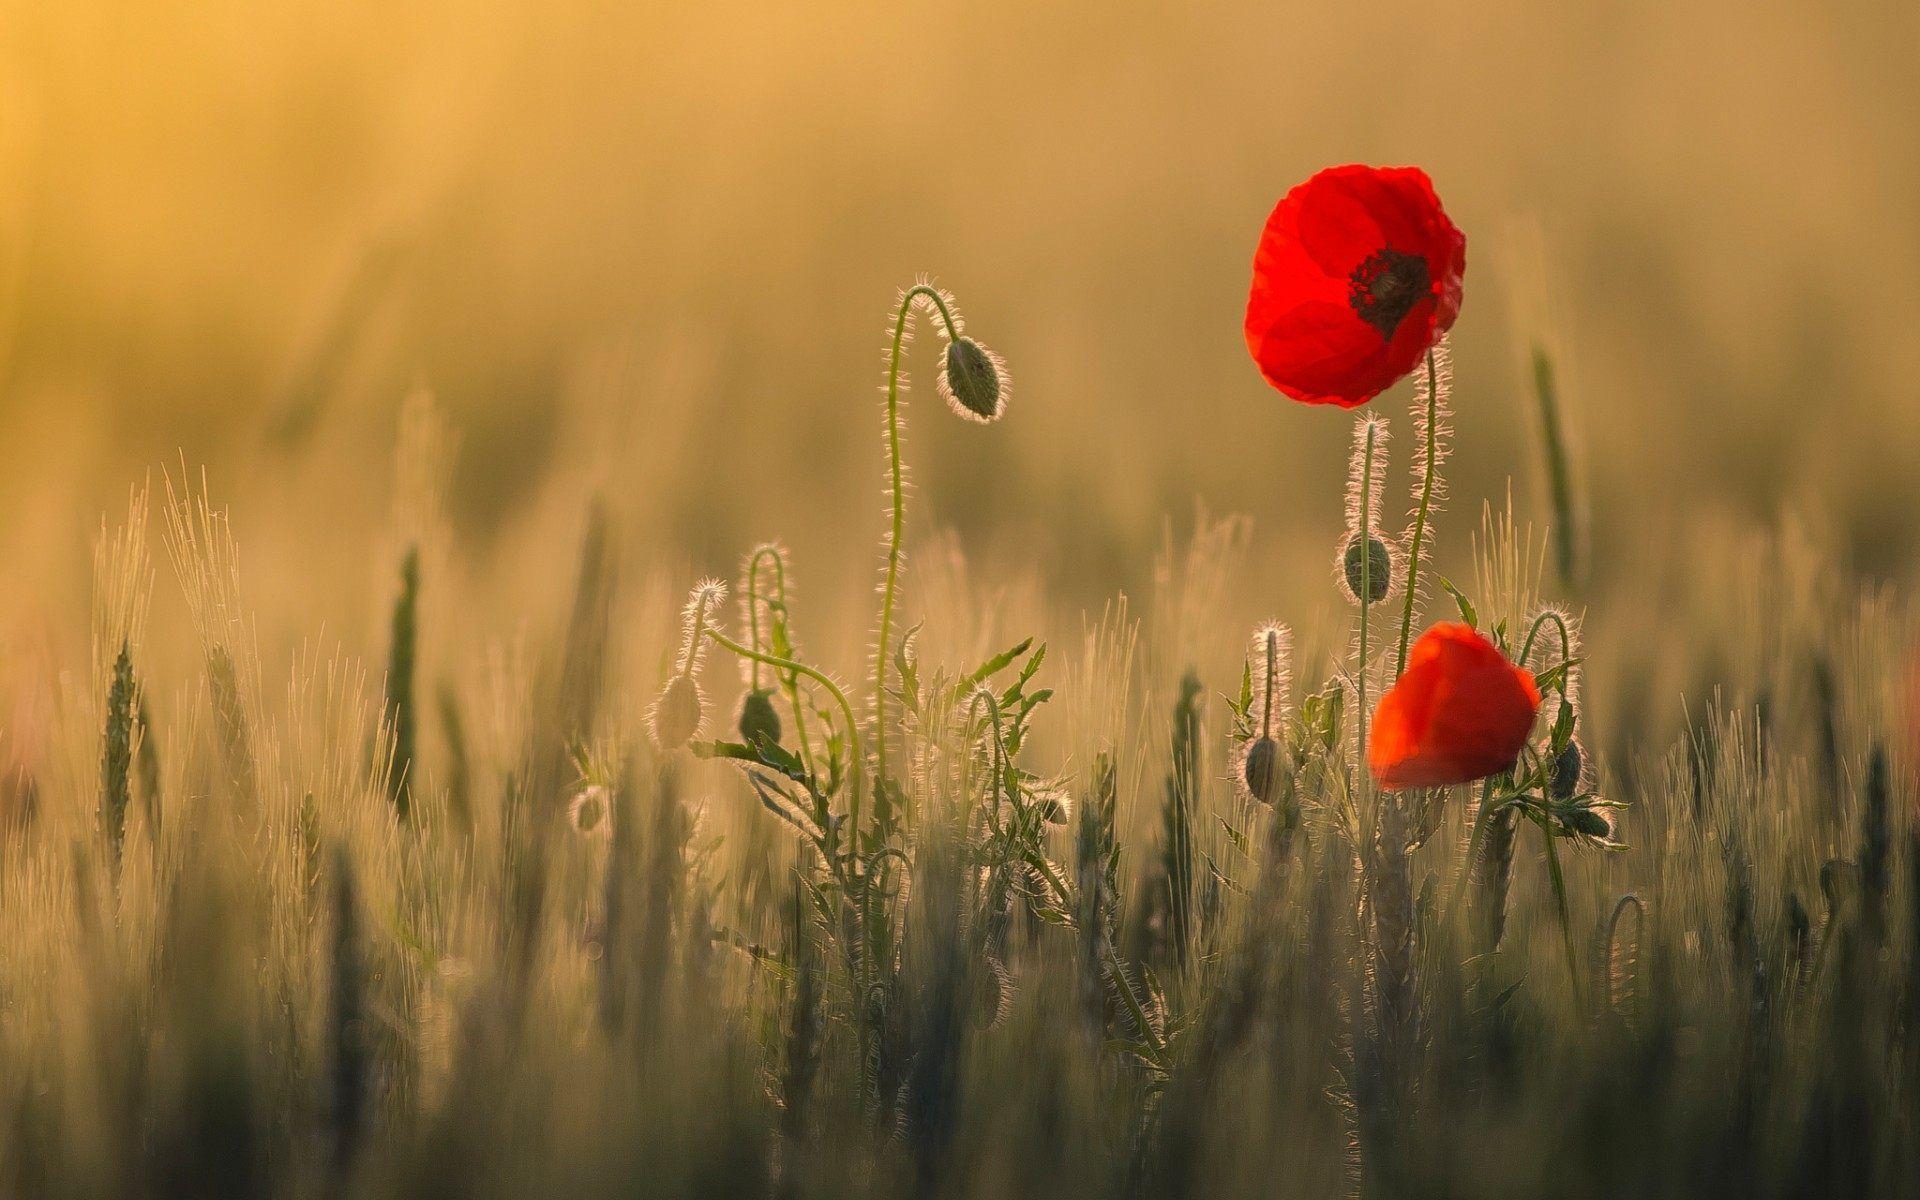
(590, 812)
(1372, 554)
(1563, 782)
(1260, 770)
(678, 713)
(759, 720)
(974, 381)
(1591, 822)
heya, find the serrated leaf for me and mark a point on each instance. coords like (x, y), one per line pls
(993, 666)
(1467, 613)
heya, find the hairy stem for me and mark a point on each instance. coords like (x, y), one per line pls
(839, 698)
(897, 497)
(1560, 904)
(789, 682)
(1416, 544)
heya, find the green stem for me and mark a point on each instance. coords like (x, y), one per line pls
(839, 698)
(1266, 701)
(753, 603)
(1366, 598)
(979, 697)
(1533, 631)
(897, 495)
(1481, 820)
(1559, 477)
(1420, 514)
(692, 652)
(1560, 902)
(789, 685)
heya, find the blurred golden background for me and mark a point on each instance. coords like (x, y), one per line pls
(648, 248)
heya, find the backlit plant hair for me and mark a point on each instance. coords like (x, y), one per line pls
(678, 713)
(974, 383)
(1257, 765)
(1430, 417)
(759, 720)
(1366, 472)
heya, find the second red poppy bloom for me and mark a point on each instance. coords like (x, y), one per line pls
(1357, 275)
(1460, 712)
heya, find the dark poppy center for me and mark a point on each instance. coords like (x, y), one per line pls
(1385, 288)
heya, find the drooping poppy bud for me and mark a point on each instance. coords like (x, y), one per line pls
(974, 381)
(1591, 822)
(678, 713)
(1260, 769)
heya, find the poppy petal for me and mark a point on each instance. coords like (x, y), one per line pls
(1459, 712)
(1357, 274)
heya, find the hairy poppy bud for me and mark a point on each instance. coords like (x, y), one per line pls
(1563, 782)
(1372, 554)
(759, 720)
(1260, 770)
(590, 811)
(1590, 821)
(974, 381)
(678, 712)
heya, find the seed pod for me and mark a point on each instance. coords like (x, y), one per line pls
(1260, 769)
(759, 720)
(1372, 553)
(678, 713)
(974, 381)
(1563, 782)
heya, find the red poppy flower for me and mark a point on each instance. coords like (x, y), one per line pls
(1460, 712)
(1356, 277)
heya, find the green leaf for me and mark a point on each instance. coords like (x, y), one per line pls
(1465, 605)
(992, 666)
(1562, 727)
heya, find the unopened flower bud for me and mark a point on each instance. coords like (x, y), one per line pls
(591, 812)
(1260, 770)
(759, 720)
(1590, 821)
(1370, 553)
(974, 381)
(678, 713)
(1563, 782)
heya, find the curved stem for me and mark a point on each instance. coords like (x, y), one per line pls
(839, 698)
(690, 654)
(897, 496)
(1566, 639)
(982, 695)
(753, 601)
(1418, 540)
(789, 685)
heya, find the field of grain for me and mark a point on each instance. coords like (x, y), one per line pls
(539, 656)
